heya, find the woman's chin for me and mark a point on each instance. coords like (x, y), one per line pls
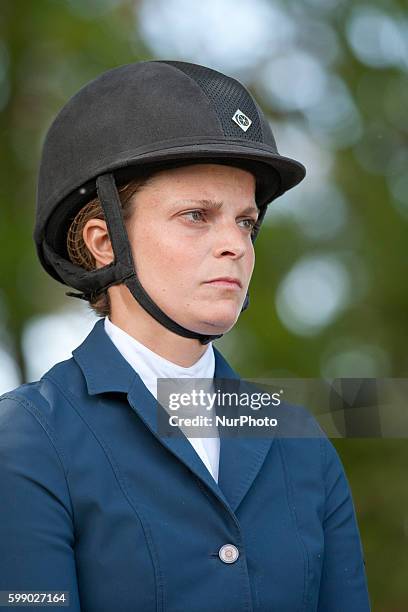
(216, 317)
(219, 321)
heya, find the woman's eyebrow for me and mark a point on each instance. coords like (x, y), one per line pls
(215, 205)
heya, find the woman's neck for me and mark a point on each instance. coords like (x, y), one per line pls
(140, 325)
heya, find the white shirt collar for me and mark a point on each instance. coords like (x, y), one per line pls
(150, 366)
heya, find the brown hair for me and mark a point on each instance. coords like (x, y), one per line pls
(77, 249)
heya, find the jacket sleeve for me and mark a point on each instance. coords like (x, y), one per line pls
(36, 523)
(343, 583)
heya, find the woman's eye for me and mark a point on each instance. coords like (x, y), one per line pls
(195, 212)
(251, 222)
(199, 215)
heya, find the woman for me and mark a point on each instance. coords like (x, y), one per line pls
(154, 181)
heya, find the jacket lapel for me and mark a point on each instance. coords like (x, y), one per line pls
(106, 370)
(146, 406)
(241, 458)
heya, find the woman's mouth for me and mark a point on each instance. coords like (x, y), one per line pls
(226, 282)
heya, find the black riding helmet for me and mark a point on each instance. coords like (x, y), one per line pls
(146, 116)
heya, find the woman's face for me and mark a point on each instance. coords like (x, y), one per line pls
(189, 226)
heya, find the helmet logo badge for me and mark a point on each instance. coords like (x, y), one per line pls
(242, 120)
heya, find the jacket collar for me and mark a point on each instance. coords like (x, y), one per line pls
(106, 370)
(103, 366)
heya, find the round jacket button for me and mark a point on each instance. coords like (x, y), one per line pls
(228, 553)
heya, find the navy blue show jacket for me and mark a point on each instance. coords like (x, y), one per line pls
(95, 502)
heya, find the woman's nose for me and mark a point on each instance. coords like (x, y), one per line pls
(231, 238)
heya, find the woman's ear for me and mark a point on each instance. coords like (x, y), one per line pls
(96, 238)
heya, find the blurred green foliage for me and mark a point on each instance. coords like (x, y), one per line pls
(50, 48)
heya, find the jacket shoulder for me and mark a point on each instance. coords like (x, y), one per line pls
(44, 398)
